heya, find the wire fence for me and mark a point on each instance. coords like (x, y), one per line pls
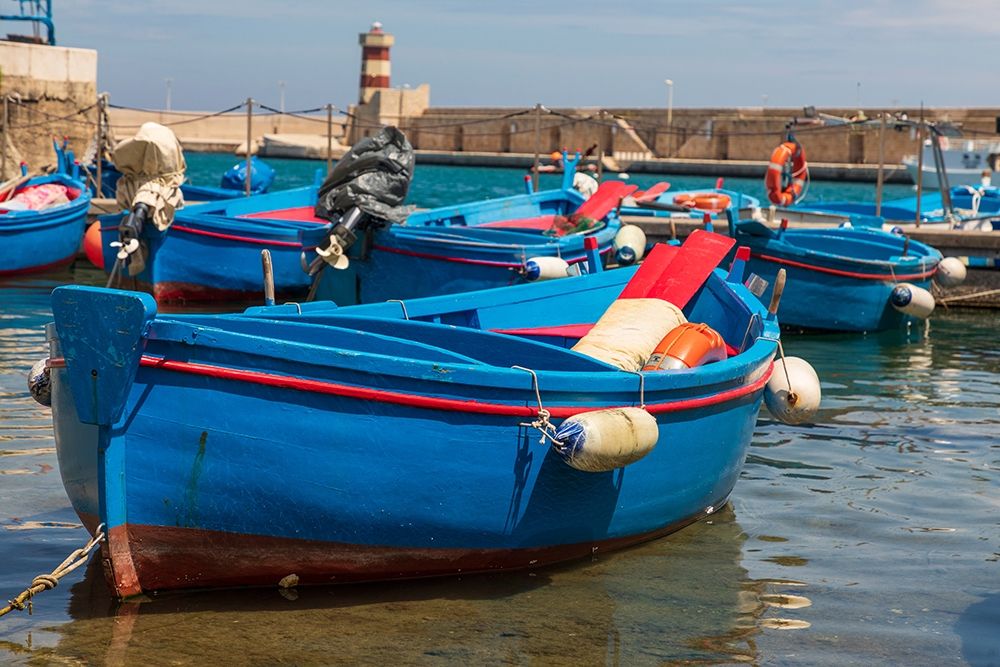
(544, 120)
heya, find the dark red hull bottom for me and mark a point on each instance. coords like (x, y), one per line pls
(142, 559)
(65, 261)
(180, 293)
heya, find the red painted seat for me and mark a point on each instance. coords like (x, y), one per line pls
(298, 214)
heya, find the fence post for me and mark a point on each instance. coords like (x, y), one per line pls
(99, 189)
(249, 139)
(329, 139)
(881, 165)
(538, 141)
(6, 136)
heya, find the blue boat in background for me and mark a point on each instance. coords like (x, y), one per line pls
(658, 201)
(212, 251)
(43, 238)
(314, 444)
(968, 208)
(232, 184)
(842, 278)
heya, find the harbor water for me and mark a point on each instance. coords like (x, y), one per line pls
(872, 537)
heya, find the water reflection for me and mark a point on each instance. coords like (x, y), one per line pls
(685, 598)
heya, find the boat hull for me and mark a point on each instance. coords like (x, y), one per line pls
(845, 288)
(236, 450)
(454, 495)
(212, 251)
(34, 241)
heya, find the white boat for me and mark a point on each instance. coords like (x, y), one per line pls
(965, 161)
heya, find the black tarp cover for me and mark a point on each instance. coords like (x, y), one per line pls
(374, 176)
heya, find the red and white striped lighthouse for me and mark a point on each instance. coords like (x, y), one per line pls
(374, 61)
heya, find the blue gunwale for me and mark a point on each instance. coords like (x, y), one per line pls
(355, 443)
(37, 240)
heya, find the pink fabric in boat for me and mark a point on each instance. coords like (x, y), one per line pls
(298, 214)
(38, 197)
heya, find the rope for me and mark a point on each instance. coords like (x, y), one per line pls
(44, 582)
(542, 424)
(970, 296)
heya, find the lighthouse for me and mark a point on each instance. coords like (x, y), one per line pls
(374, 61)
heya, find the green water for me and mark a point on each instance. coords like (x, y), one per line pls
(870, 538)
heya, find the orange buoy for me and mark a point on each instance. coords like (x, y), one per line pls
(713, 202)
(686, 346)
(777, 192)
(92, 245)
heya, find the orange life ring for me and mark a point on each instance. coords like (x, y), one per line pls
(713, 202)
(776, 192)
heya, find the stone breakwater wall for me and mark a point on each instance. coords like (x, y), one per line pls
(48, 91)
(695, 134)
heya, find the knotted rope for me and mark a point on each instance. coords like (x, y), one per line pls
(44, 582)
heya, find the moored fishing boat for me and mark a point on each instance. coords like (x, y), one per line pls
(317, 444)
(660, 201)
(41, 222)
(210, 251)
(842, 278)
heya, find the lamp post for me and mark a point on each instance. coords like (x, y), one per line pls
(670, 101)
(281, 89)
(170, 83)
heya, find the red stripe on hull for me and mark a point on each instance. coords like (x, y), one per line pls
(39, 269)
(480, 262)
(435, 402)
(158, 558)
(238, 239)
(848, 274)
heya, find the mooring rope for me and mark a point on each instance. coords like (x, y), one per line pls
(44, 582)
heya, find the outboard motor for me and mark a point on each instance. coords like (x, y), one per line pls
(152, 166)
(364, 191)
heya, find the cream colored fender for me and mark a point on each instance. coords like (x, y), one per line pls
(950, 272)
(912, 300)
(793, 397)
(604, 440)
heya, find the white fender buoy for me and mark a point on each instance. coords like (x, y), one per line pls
(912, 300)
(545, 268)
(798, 403)
(40, 383)
(629, 244)
(604, 440)
(950, 272)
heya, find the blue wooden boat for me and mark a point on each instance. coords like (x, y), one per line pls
(316, 444)
(839, 279)
(232, 184)
(37, 240)
(662, 202)
(972, 208)
(212, 250)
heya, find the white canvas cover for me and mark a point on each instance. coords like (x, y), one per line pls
(152, 166)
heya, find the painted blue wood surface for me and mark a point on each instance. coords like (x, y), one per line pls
(202, 453)
(35, 240)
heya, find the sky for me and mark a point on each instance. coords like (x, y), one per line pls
(560, 53)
